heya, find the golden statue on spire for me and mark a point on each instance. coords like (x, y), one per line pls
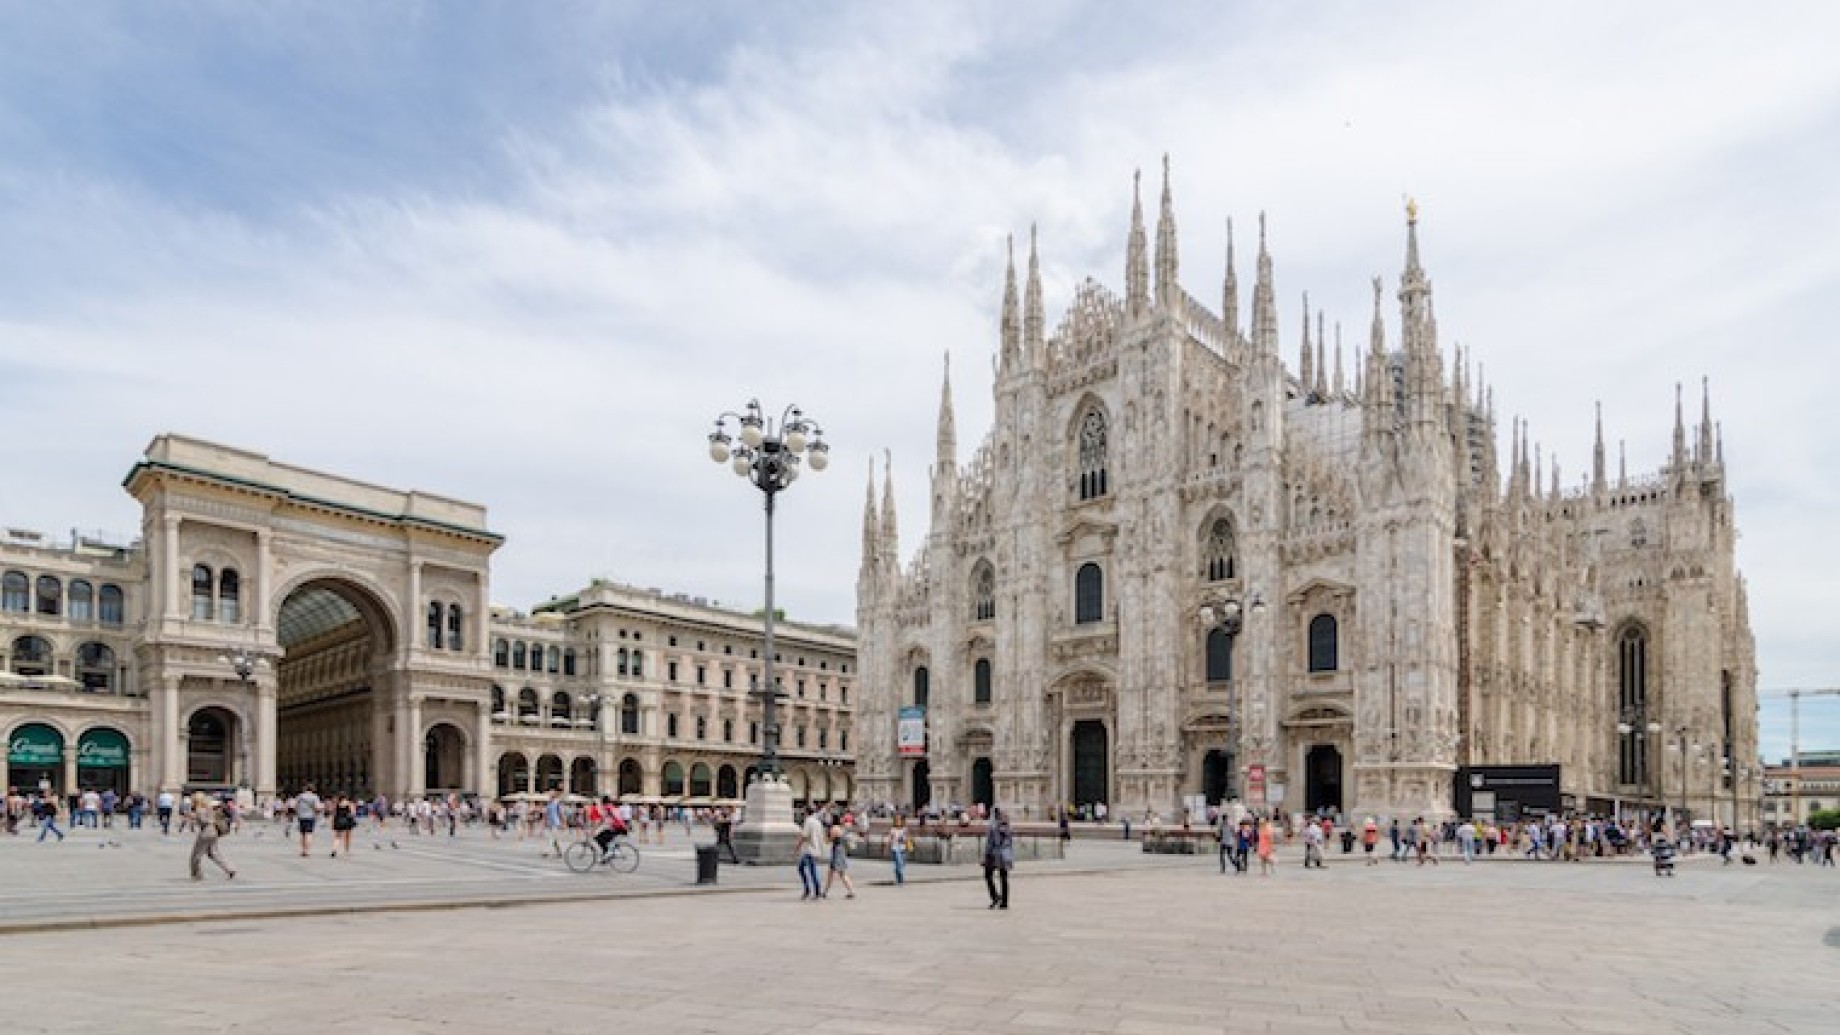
(1411, 209)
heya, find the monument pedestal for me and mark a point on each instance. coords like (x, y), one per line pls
(766, 835)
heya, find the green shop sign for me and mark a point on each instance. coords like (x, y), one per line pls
(35, 745)
(102, 749)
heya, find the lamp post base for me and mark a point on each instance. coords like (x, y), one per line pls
(766, 835)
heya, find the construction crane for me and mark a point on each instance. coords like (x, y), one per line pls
(1795, 738)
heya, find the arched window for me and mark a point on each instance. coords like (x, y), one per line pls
(1632, 697)
(1092, 455)
(31, 656)
(456, 621)
(553, 659)
(621, 662)
(922, 686)
(980, 681)
(1219, 656)
(203, 588)
(529, 711)
(561, 710)
(984, 593)
(96, 668)
(1217, 552)
(437, 623)
(568, 661)
(498, 703)
(229, 596)
(518, 653)
(673, 778)
(82, 601)
(109, 608)
(638, 663)
(50, 596)
(1089, 594)
(1322, 644)
(501, 653)
(15, 592)
(629, 715)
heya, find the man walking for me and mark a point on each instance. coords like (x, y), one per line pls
(812, 837)
(47, 812)
(163, 808)
(306, 814)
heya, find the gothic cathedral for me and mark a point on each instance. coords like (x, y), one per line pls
(1176, 569)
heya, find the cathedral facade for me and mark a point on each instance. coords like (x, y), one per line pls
(1178, 570)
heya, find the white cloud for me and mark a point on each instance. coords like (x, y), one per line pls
(1615, 200)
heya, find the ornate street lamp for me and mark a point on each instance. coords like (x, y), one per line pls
(1635, 719)
(769, 455)
(245, 664)
(1227, 613)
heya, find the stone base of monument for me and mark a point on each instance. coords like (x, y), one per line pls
(767, 835)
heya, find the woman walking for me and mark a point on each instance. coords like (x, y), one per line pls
(204, 846)
(344, 821)
(999, 856)
(840, 863)
(897, 848)
(1265, 835)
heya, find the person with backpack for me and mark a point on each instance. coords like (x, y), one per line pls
(212, 824)
(46, 810)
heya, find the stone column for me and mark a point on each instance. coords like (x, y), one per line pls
(418, 610)
(264, 588)
(481, 780)
(265, 738)
(415, 779)
(70, 774)
(169, 596)
(168, 752)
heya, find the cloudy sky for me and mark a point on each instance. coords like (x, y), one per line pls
(523, 255)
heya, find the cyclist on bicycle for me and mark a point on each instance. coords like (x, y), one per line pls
(610, 824)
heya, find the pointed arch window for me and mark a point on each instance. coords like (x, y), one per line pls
(203, 587)
(1219, 656)
(1632, 697)
(1323, 645)
(1217, 552)
(980, 682)
(229, 596)
(50, 596)
(1093, 473)
(984, 593)
(922, 686)
(1089, 594)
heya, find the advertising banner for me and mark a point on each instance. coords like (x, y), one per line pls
(910, 733)
(35, 745)
(1255, 784)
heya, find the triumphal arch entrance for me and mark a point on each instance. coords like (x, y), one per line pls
(307, 628)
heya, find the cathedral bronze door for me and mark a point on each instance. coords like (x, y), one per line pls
(1090, 763)
(983, 788)
(1322, 769)
(923, 785)
(1217, 776)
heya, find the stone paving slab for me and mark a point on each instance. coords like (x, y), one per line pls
(1118, 946)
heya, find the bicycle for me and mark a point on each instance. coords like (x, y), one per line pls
(585, 855)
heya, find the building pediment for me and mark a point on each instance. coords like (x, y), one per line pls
(1317, 587)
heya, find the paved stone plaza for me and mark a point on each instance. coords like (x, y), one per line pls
(1109, 940)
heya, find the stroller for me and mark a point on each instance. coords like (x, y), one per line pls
(1664, 858)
